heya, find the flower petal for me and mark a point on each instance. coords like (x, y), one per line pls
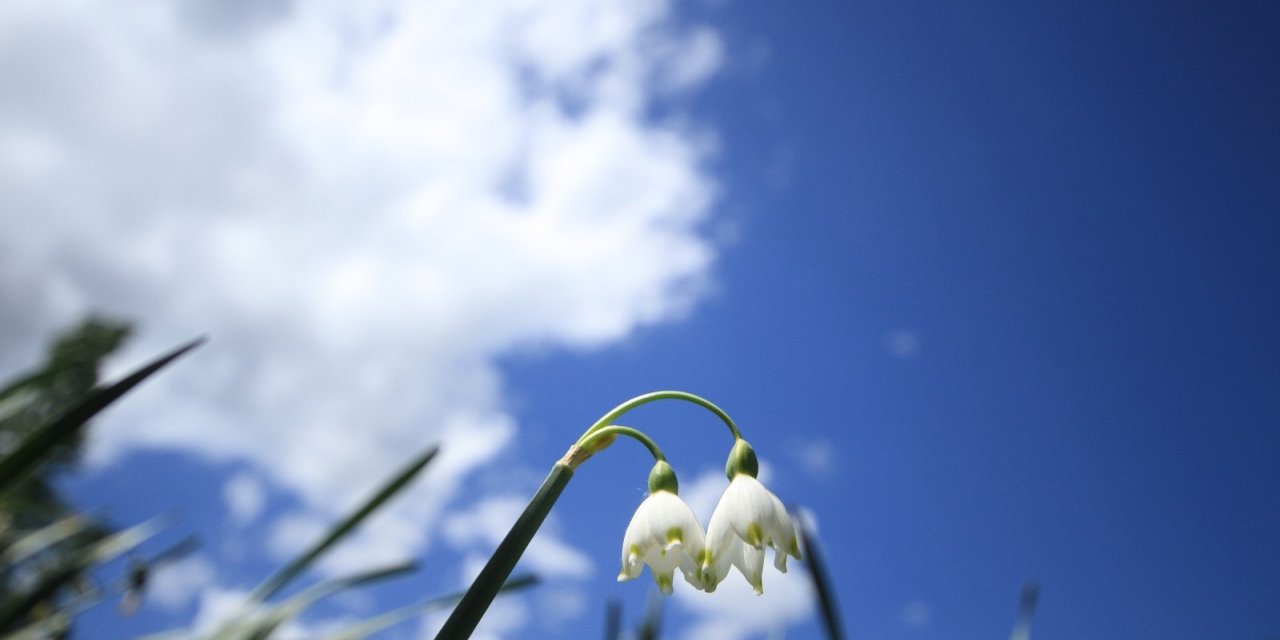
(747, 518)
(663, 534)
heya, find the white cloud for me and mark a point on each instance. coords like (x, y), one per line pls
(176, 583)
(364, 204)
(815, 457)
(903, 343)
(735, 612)
(245, 497)
(556, 604)
(916, 614)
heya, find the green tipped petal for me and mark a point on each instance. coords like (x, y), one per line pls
(664, 534)
(747, 519)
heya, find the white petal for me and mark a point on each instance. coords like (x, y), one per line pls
(747, 518)
(751, 563)
(663, 534)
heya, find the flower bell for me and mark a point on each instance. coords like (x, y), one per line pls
(663, 534)
(747, 518)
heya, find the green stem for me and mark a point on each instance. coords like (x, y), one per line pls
(589, 441)
(637, 401)
(462, 622)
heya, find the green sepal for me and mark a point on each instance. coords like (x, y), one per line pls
(663, 478)
(742, 459)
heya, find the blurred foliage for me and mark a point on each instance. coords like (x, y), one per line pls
(70, 371)
(53, 557)
(40, 532)
(649, 627)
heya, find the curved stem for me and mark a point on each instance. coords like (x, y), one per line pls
(589, 440)
(637, 401)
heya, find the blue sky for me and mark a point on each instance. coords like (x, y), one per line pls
(990, 287)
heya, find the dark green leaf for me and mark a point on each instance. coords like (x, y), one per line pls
(827, 602)
(462, 622)
(35, 447)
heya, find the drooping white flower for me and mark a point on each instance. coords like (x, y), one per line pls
(747, 518)
(663, 534)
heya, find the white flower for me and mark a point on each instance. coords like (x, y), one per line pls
(663, 534)
(747, 518)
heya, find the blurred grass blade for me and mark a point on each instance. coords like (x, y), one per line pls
(613, 620)
(45, 587)
(261, 626)
(378, 623)
(43, 538)
(36, 446)
(651, 626)
(178, 551)
(821, 578)
(54, 626)
(173, 634)
(132, 583)
(275, 583)
(1026, 609)
(37, 379)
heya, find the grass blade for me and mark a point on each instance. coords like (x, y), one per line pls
(651, 627)
(613, 620)
(475, 602)
(54, 626)
(378, 623)
(261, 626)
(276, 582)
(821, 579)
(29, 380)
(1026, 609)
(36, 446)
(43, 538)
(178, 551)
(14, 607)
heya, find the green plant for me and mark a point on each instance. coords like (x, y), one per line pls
(45, 590)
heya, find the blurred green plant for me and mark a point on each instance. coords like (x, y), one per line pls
(48, 549)
(1027, 600)
(49, 552)
(820, 577)
(649, 627)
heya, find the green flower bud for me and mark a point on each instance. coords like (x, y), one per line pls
(742, 460)
(663, 478)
